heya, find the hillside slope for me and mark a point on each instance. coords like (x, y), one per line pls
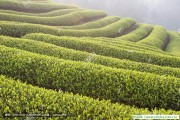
(83, 64)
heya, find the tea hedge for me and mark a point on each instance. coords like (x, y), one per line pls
(156, 38)
(135, 35)
(107, 50)
(119, 85)
(47, 14)
(141, 32)
(27, 99)
(127, 45)
(57, 12)
(55, 64)
(173, 46)
(61, 52)
(66, 20)
(96, 24)
(132, 46)
(16, 29)
(110, 30)
(33, 7)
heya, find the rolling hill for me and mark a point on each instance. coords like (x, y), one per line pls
(65, 62)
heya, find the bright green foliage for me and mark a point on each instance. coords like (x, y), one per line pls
(19, 29)
(126, 45)
(107, 31)
(119, 85)
(156, 38)
(47, 14)
(107, 50)
(34, 7)
(27, 99)
(61, 52)
(141, 32)
(67, 49)
(96, 24)
(174, 45)
(68, 19)
(129, 46)
(118, 42)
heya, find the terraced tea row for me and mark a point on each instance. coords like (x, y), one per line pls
(129, 46)
(52, 102)
(107, 31)
(34, 7)
(96, 24)
(173, 46)
(107, 50)
(68, 19)
(119, 85)
(20, 29)
(156, 38)
(141, 32)
(64, 49)
(126, 45)
(61, 52)
(135, 35)
(47, 14)
(16, 29)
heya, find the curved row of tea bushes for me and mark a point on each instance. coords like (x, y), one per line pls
(130, 46)
(174, 44)
(156, 38)
(57, 12)
(119, 85)
(131, 37)
(32, 6)
(61, 52)
(96, 24)
(107, 50)
(119, 42)
(141, 32)
(110, 30)
(126, 45)
(16, 29)
(64, 20)
(30, 99)
(47, 14)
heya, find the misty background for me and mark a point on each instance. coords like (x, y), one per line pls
(162, 12)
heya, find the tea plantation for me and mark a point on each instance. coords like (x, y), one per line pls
(66, 62)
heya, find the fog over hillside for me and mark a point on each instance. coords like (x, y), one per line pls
(162, 12)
